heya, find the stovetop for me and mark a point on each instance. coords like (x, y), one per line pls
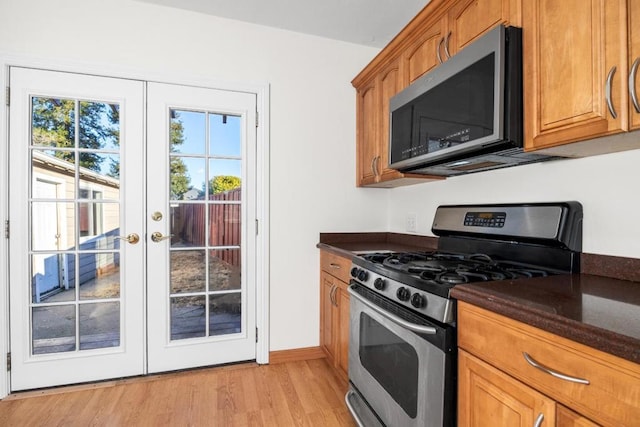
(422, 281)
(477, 243)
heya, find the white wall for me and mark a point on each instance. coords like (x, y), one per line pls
(312, 117)
(608, 187)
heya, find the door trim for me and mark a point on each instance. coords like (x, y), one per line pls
(262, 92)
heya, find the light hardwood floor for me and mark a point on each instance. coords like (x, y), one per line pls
(302, 393)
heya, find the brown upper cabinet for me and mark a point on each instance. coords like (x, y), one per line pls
(577, 62)
(581, 61)
(469, 19)
(440, 30)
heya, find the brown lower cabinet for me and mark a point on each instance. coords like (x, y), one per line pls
(334, 310)
(498, 386)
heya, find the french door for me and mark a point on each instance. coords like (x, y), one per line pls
(128, 207)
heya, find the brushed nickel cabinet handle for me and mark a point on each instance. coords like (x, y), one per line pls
(607, 92)
(438, 50)
(332, 295)
(446, 45)
(531, 361)
(539, 420)
(377, 168)
(373, 166)
(334, 265)
(632, 84)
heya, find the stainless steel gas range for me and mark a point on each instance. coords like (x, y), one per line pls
(402, 344)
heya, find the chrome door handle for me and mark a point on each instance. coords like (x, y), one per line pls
(430, 330)
(632, 84)
(438, 50)
(131, 238)
(446, 45)
(157, 236)
(531, 361)
(607, 92)
(539, 420)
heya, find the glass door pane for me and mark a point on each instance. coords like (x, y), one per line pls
(75, 219)
(205, 224)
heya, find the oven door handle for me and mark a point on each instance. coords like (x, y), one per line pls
(429, 330)
(354, 414)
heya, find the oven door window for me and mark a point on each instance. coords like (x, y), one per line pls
(391, 361)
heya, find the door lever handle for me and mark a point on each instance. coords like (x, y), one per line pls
(132, 238)
(157, 236)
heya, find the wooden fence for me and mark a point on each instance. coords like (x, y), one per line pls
(189, 227)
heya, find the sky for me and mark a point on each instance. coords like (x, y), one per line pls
(224, 145)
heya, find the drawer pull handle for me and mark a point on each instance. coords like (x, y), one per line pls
(531, 361)
(334, 265)
(539, 420)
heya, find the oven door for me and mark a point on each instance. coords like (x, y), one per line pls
(406, 376)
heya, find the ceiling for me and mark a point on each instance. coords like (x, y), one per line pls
(366, 22)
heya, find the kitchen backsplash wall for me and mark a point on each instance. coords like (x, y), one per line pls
(608, 187)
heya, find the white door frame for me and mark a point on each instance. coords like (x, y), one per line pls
(262, 91)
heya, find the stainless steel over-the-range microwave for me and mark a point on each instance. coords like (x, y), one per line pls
(465, 115)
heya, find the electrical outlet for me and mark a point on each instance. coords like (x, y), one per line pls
(412, 222)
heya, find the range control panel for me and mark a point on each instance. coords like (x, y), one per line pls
(485, 219)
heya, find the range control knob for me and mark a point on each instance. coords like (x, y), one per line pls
(417, 300)
(354, 272)
(379, 284)
(403, 294)
(363, 275)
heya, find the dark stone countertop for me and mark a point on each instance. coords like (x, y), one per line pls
(600, 312)
(350, 244)
(597, 311)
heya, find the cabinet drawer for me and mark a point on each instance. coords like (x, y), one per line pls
(335, 265)
(612, 396)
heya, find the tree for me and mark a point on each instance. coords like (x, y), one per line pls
(222, 183)
(54, 125)
(179, 177)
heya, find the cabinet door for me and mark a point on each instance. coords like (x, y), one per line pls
(634, 59)
(469, 19)
(390, 84)
(366, 125)
(422, 55)
(571, 49)
(342, 331)
(489, 397)
(565, 417)
(327, 318)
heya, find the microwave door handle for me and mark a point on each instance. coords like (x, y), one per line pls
(429, 330)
